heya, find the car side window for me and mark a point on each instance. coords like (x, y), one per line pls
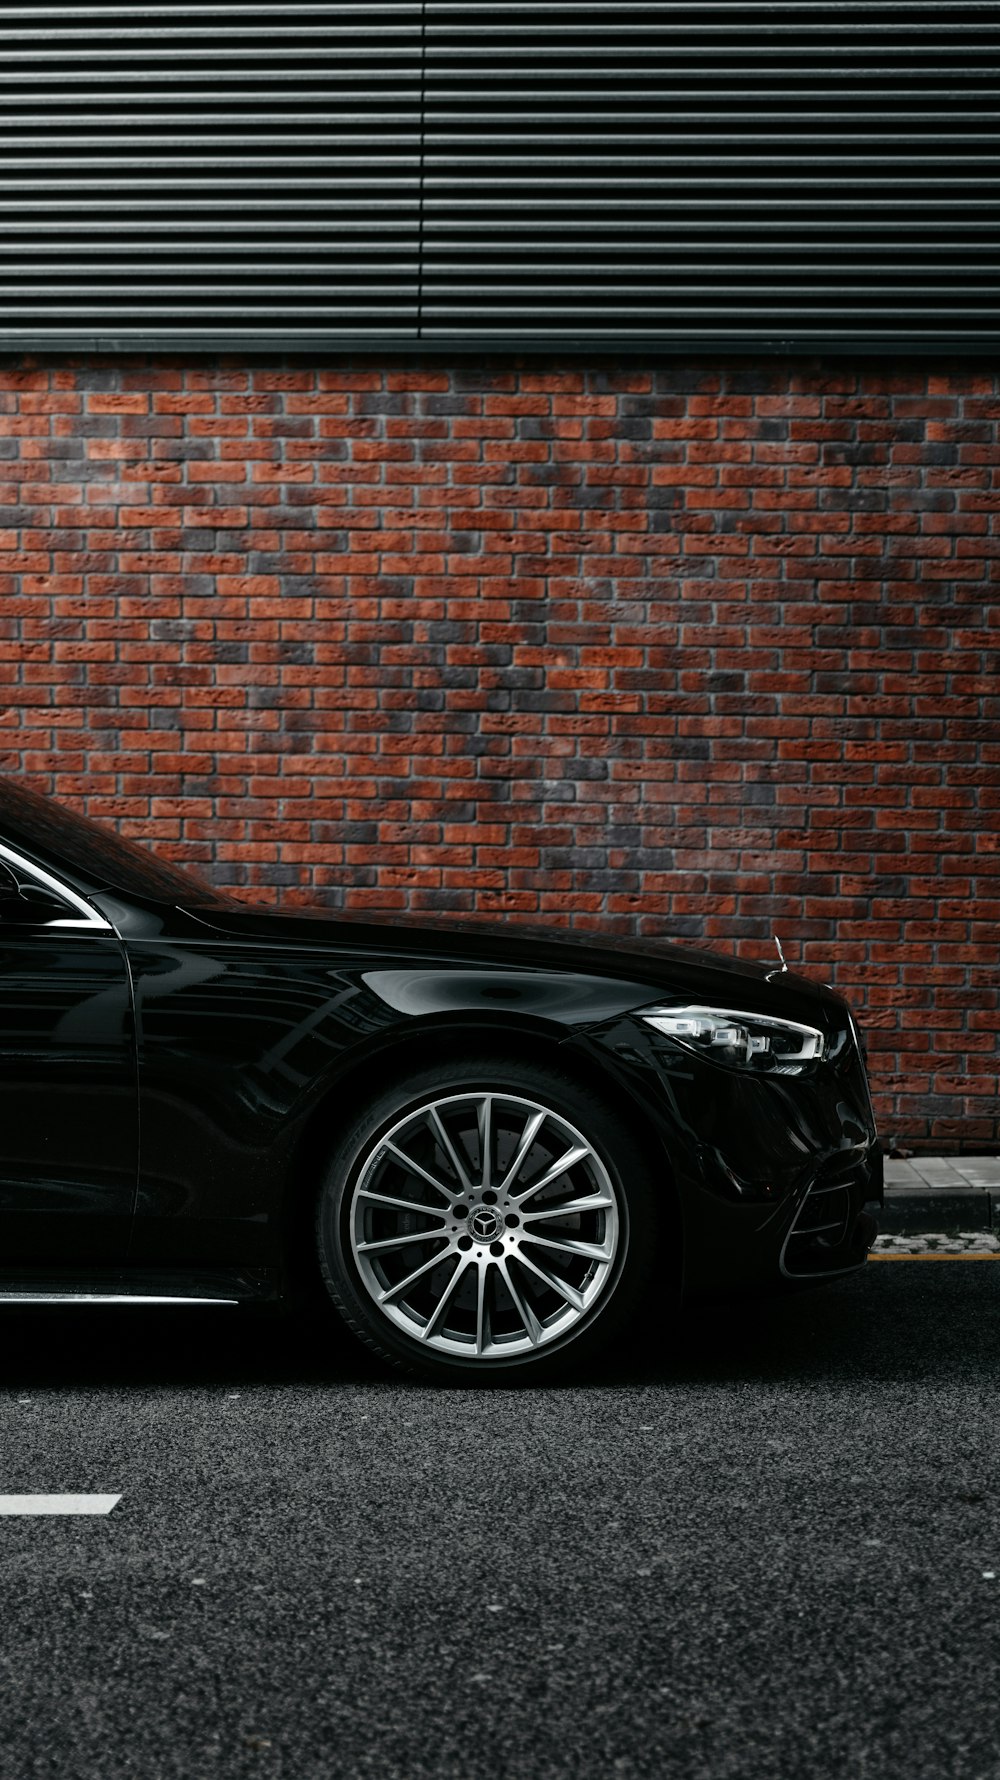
(28, 901)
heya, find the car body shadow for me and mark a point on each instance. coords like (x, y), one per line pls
(912, 1320)
(894, 1320)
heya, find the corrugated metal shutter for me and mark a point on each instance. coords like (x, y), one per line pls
(209, 170)
(783, 173)
(724, 174)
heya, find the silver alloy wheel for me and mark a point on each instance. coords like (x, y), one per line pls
(485, 1225)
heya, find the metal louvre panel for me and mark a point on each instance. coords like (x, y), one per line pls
(722, 174)
(209, 170)
(732, 173)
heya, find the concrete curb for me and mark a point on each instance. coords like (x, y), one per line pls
(944, 1193)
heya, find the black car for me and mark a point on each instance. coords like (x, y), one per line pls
(492, 1145)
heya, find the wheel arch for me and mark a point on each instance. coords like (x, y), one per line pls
(447, 1039)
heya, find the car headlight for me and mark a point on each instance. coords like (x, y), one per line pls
(744, 1041)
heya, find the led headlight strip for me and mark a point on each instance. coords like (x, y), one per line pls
(743, 1040)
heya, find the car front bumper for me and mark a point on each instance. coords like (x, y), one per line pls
(777, 1178)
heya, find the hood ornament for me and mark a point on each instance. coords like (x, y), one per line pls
(781, 955)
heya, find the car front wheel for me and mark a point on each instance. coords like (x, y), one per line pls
(487, 1221)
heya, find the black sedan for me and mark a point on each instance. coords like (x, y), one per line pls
(493, 1146)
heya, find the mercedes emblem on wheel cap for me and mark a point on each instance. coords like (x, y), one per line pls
(485, 1223)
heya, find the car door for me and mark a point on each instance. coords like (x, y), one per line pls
(68, 1094)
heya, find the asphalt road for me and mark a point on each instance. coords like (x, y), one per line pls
(759, 1552)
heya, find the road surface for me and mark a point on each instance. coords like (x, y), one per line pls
(770, 1548)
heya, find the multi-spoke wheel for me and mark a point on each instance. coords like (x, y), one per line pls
(486, 1220)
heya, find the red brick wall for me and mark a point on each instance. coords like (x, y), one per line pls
(697, 651)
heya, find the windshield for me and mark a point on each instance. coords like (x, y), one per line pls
(96, 852)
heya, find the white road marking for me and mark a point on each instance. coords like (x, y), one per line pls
(57, 1504)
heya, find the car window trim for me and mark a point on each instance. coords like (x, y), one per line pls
(85, 918)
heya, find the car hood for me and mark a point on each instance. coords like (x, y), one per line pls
(653, 966)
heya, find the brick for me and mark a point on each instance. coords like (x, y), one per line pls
(697, 652)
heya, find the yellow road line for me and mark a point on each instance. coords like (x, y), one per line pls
(936, 1255)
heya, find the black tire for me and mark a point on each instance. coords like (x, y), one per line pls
(541, 1305)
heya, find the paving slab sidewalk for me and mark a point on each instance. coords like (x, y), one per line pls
(941, 1193)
